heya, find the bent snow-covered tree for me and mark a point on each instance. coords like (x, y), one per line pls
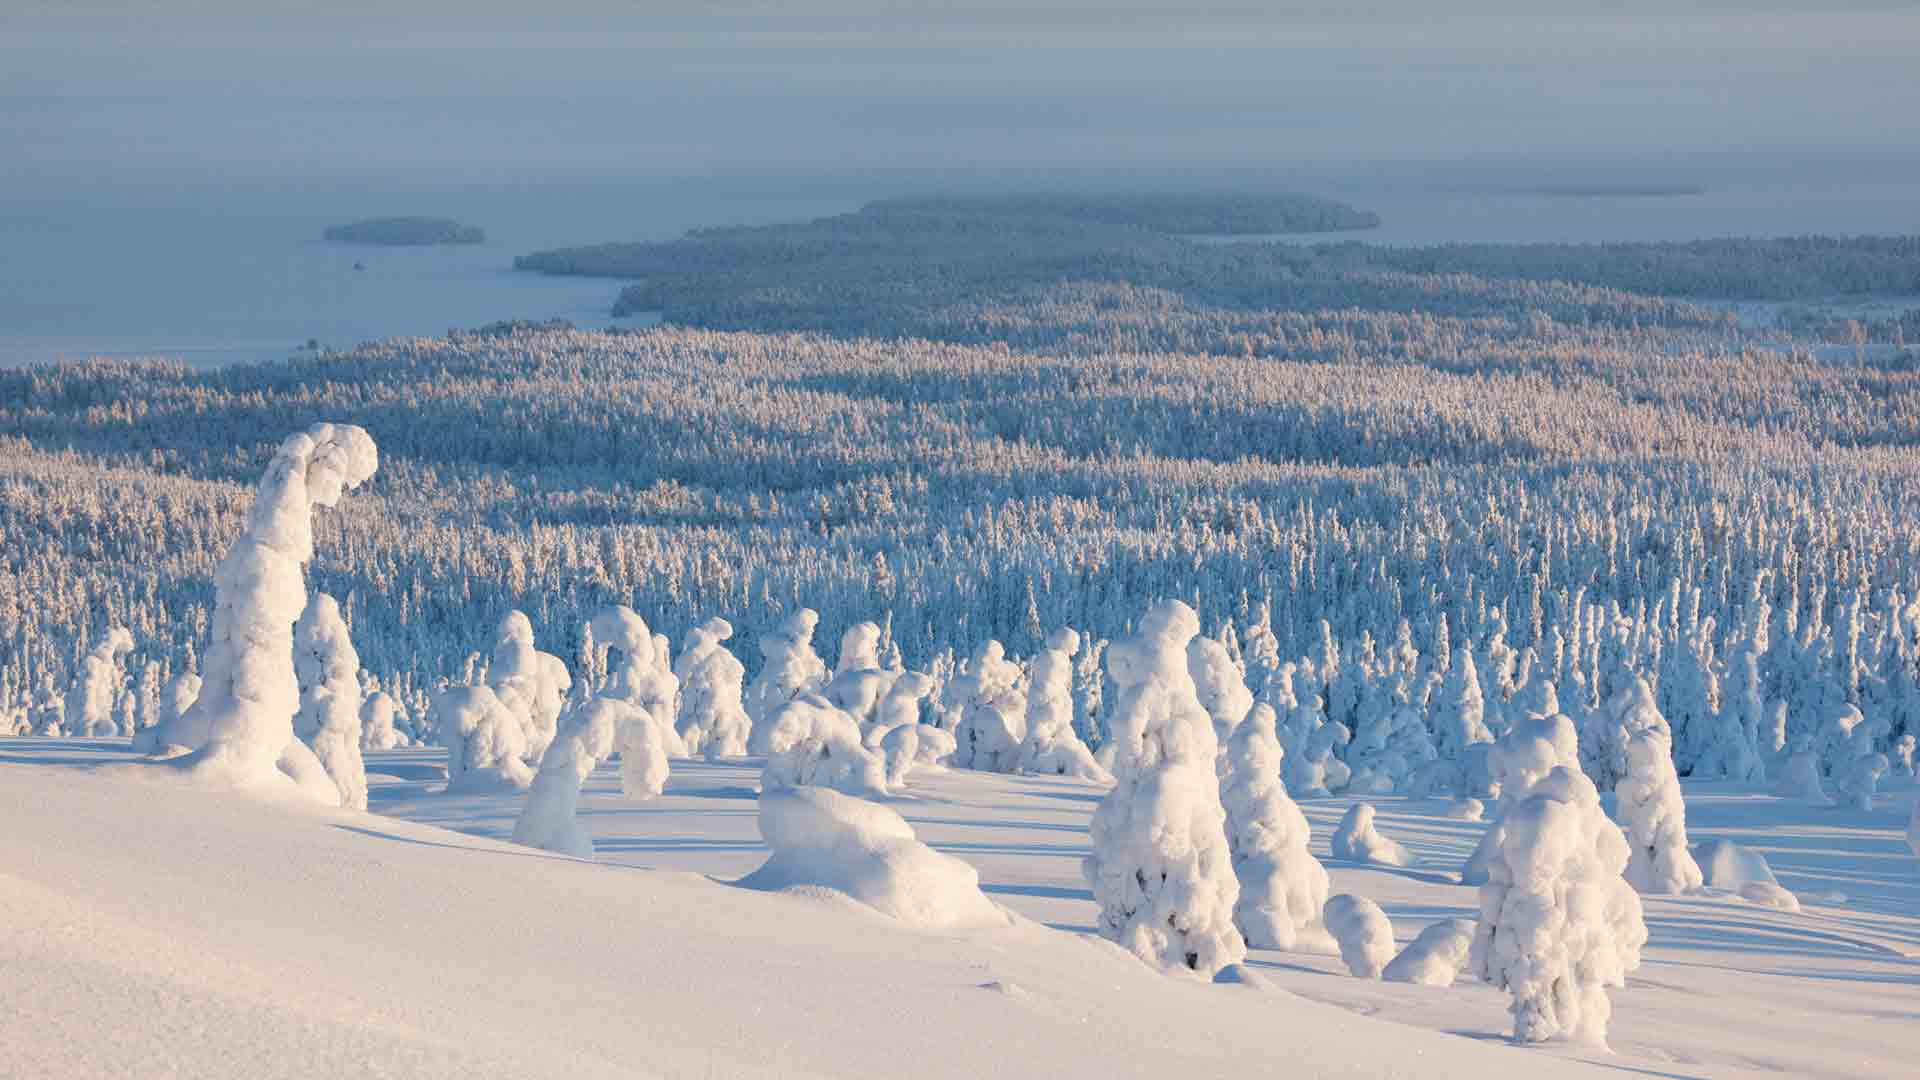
(584, 739)
(1160, 868)
(328, 669)
(240, 728)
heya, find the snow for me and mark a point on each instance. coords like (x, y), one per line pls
(1744, 872)
(1364, 934)
(728, 982)
(1435, 957)
(823, 839)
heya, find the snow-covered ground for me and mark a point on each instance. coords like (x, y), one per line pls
(151, 929)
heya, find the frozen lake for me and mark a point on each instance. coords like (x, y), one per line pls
(247, 278)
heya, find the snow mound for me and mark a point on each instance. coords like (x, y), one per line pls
(824, 839)
(1364, 934)
(1744, 871)
(1356, 840)
(1436, 957)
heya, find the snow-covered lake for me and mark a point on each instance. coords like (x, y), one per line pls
(247, 278)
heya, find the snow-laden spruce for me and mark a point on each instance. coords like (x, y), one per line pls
(1434, 958)
(1052, 748)
(1534, 747)
(1648, 801)
(809, 743)
(328, 670)
(791, 668)
(1603, 742)
(486, 740)
(713, 721)
(1356, 840)
(584, 738)
(240, 727)
(859, 682)
(1282, 886)
(1364, 934)
(1160, 868)
(90, 701)
(1220, 685)
(993, 721)
(377, 728)
(640, 679)
(1558, 923)
(532, 683)
(825, 839)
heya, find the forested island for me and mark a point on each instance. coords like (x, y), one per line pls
(1091, 275)
(406, 232)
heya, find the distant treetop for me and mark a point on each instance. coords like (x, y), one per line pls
(1190, 214)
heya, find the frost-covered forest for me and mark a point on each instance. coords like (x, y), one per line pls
(1566, 480)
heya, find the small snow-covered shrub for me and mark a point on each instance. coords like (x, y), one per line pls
(825, 839)
(1436, 957)
(1558, 923)
(328, 671)
(1160, 868)
(1052, 747)
(809, 743)
(583, 739)
(1364, 934)
(1648, 801)
(1356, 840)
(1282, 886)
(486, 742)
(377, 730)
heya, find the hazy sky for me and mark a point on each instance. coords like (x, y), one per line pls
(190, 95)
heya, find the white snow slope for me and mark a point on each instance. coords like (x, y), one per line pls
(157, 930)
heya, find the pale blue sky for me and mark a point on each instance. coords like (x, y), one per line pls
(107, 93)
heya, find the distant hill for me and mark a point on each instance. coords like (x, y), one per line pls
(1194, 214)
(406, 232)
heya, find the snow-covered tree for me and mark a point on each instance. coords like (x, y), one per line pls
(993, 722)
(1160, 868)
(1220, 684)
(328, 670)
(1435, 957)
(377, 729)
(1282, 886)
(901, 705)
(1648, 801)
(641, 680)
(791, 669)
(95, 692)
(859, 682)
(712, 719)
(1558, 923)
(584, 738)
(486, 740)
(1051, 747)
(808, 742)
(240, 726)
(532, 683)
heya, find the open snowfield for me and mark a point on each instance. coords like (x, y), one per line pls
(250, 938)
